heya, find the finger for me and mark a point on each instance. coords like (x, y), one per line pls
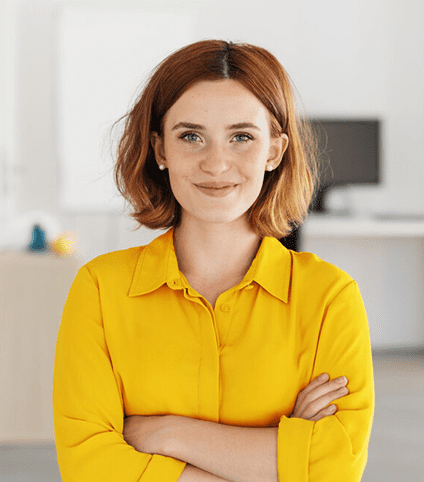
(319, 404)
(325, 412)
(311, 406)
(318, 388)
(316, 382)
(317, 391)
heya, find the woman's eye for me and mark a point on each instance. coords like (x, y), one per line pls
(243, 137)
(190, 137)
(193, 137)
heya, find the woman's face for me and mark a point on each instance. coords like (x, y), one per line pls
(217, 134)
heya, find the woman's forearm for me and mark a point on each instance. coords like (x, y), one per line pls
(233, 453)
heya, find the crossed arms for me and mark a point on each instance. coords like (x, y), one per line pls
(215, 451)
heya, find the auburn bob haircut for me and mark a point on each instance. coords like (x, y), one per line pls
(286, 192)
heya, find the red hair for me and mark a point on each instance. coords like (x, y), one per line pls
(286, 192)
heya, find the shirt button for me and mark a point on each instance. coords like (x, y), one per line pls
(249, 287)
(225, 308)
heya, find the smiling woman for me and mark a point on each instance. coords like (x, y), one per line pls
(214, 353)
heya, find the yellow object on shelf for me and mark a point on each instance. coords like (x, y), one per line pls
(64, 244)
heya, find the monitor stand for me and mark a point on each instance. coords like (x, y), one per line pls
(319, 205)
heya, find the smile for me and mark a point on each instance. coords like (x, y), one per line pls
(217, 192)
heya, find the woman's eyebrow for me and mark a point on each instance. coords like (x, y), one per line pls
(190, 125)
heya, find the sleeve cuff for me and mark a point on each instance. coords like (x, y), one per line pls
(163, 468)
(294, 440)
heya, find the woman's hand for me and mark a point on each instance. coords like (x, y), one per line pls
(146, 433)
(312, 401)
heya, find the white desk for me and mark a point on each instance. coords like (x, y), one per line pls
(323, 225)
(386, 258)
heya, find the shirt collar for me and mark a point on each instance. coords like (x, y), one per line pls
(157, 265)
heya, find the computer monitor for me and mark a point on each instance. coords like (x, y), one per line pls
(349, 151)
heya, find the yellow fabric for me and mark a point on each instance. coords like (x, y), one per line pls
(135, 338)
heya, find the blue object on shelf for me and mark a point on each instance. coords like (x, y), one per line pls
(38, 242)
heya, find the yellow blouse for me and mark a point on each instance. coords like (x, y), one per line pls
(135, 338)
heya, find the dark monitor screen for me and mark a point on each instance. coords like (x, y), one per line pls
(348, 151)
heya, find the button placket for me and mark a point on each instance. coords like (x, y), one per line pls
(209, 370)
(223, 319)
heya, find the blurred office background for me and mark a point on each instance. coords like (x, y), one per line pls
(69, 69)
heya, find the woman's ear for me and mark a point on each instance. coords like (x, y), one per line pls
(158, 146)
(277, 149)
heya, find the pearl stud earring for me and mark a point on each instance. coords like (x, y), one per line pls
(269, 167)
(161, 167)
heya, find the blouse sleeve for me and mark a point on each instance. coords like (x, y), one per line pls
(87, 404)
(335, 448)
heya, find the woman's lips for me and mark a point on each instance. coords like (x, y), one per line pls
(217, 192)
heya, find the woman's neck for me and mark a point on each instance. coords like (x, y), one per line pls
(211, 253)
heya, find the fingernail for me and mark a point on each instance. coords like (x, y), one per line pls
(323, 376)
(342, 379)
(333, 408)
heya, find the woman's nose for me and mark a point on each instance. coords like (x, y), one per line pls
(215, 159)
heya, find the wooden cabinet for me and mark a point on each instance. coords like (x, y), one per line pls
(33, 291)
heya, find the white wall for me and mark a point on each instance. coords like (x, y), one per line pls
(361, 58)
(2, 71)
(2, 105)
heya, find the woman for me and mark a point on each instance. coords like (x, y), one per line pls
(213, 353)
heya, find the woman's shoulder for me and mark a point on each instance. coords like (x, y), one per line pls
(316, 274)
(115, 263)
(311, 262)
